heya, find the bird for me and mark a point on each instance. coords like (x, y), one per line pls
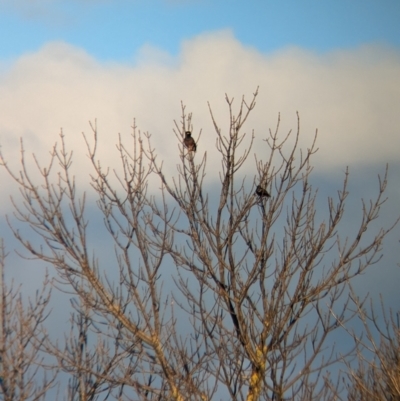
(189, 142)
(261, 192)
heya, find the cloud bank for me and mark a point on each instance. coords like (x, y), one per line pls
(350, 96)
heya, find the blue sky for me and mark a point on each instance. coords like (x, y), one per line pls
(114, 30)
(63, 63)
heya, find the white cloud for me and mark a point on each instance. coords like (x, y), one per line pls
(352, 97)
(55, 12)
(30, 9)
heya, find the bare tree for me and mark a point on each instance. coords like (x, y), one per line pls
(377, 376)
(236, 296)
(21, 373)
(86, 359)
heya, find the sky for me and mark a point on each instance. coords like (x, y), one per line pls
(65, 63)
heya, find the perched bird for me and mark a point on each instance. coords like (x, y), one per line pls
(189, 142)
(261, 192)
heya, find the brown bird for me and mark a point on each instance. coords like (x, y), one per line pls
(261, 192)
(189, 142)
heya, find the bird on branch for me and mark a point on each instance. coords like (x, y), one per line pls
(261, 192)
(189, 142)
